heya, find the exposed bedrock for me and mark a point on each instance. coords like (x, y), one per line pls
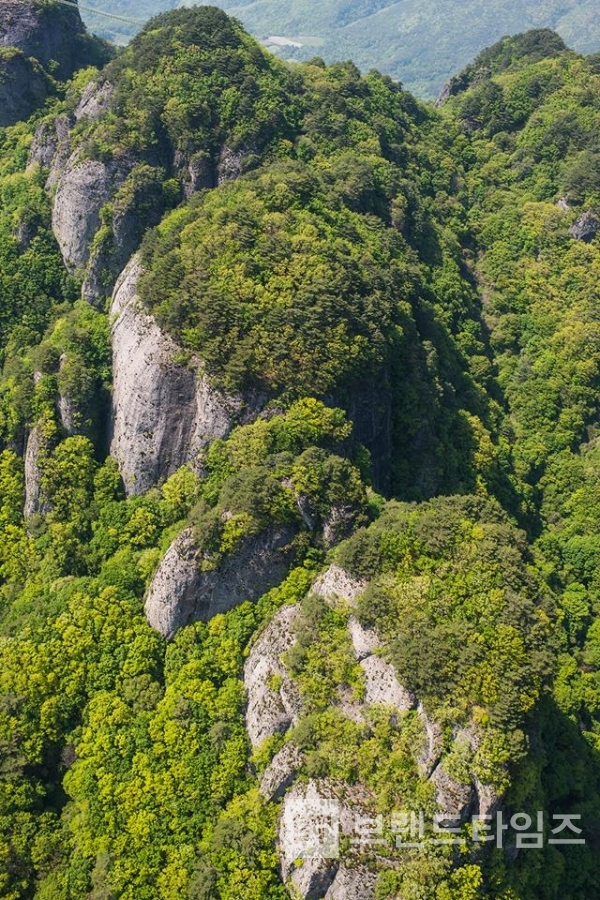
(163, 411)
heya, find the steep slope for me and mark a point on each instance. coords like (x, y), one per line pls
(209, 612)
(40, 42)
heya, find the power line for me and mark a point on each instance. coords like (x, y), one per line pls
(98, 12)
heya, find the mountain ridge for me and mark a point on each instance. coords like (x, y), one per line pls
(298, 474)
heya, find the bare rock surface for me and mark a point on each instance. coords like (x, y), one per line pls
(48, 32)
(383, 687)
(455, 801)
(181, 592)
(314, 871)
(364, 640)
(94, 100)
(586, 227)
(282, 771)
(163, 412)
(274, 702)
(357, 883)
(24, 87)
(82, 189)
(336, 584)
(34, 501)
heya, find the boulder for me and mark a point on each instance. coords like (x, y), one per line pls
(274, 702)
(180, 592)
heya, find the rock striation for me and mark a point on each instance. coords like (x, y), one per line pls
(274, 702)
(163, 411)
(181, 592)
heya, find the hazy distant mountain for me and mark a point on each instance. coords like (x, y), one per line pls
(420, 42)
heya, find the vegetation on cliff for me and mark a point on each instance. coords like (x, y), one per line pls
(410, 299)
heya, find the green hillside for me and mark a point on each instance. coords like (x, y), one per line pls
(419, 43)
(306, 493)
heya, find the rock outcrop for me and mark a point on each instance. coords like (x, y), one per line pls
(34, 500)
(82, 189)
(24, 87)
(274, 702)
(357, 883)
(181, 592)
(50, 147)
(381, 683)
(282, 771)
(336, 584)
(49, 32)
(94, 100)
(163, 411)
(456, 801)
(433, 744)
(586, 227)
(314, 817)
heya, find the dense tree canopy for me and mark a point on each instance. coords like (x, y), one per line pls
(370, 254)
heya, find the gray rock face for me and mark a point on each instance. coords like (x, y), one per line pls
(455, 801)
(83, 188)
(230, 165)
(322, 876)
(94, 100)
(34, 500)
(335, 584)
(163, 412)
(586, 227)
(181, 592)
(488, 799)
(274, 702)
(49, 33)
(364, 640)
(381, 684)
(281, 772)
(352, 884)
(433, 745)
(23, 88)
(382, 687)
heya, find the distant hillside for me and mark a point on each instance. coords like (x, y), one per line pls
(420, 42)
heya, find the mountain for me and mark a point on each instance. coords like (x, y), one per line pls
(419, 43)
(298, 471)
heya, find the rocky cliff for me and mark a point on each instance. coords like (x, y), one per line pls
(51, 33)
(276, 706)
(23, 86)
(181, 592)
(163, 410)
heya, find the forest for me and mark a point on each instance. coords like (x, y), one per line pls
(264, 325)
